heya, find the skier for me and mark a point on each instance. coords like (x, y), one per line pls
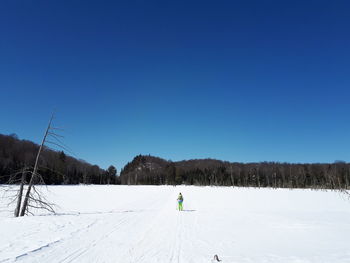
(180, 200)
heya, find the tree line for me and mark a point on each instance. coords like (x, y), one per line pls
(55, 167)
(156, 171)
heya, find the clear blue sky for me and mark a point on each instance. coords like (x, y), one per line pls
(233, 80)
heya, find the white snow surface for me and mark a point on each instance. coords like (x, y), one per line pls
(141, 224)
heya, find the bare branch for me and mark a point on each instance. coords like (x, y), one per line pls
(57, 128)
(55, 134)
(63, 145)
(64, 148)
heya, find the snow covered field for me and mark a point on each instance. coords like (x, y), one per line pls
(141, 224)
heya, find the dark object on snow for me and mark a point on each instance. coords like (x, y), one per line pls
(216, 258)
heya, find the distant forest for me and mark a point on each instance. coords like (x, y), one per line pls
(55, 167)
(152, 170)
(58, 168)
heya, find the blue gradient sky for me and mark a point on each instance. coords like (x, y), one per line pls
(234, 80)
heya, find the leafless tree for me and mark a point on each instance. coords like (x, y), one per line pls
(15, 196)
(20, 193)
(34, 199)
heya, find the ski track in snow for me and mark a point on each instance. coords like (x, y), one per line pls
(142, 225)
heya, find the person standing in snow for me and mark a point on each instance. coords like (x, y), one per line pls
(180, 200)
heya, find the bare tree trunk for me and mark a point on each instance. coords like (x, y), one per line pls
(34, 174)
(20, 193)
(232, 180)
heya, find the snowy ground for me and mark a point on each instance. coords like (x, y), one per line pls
(141, 224)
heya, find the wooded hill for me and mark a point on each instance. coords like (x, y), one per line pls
(153, 170)
(55, 167)
(58, 168)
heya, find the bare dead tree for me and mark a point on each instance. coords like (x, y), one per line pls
(20, 193)
(11, 193)
(34, 175)
(33, 197)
